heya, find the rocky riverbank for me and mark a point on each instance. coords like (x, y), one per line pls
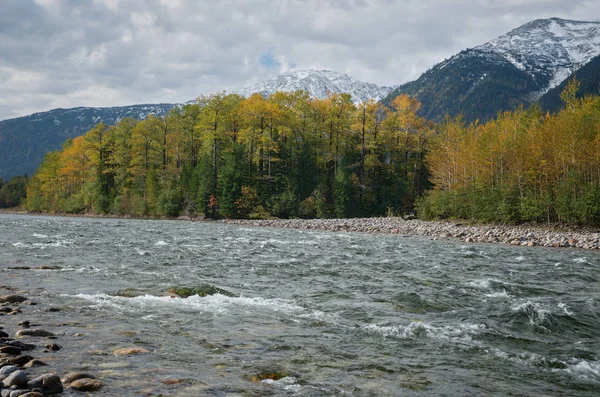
(21, 374)
(512, 235)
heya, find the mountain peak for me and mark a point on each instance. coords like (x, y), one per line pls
(548, 49)
(318, 84)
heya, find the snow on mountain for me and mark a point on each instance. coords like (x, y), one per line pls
(318, 83)
(548, 49)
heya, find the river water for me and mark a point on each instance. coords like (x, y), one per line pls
(333, 314)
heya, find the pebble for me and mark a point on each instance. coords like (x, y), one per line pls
(128, 351)
(34, 332)
(48, 383)
(73, 376)
(17, 378)
(583, 238)
(87, 384)
(12, 298)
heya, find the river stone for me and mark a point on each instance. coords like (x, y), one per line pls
(3, 334)
(53, 347)
(17, 378)
(12, 298)
(87, 384)
(18, 392)
(7, 370)
(32, 394)
(20, 345)
(34, 363)
(20, 361)
(128, 351)
(12, 350)
(48, 383)
(33, 332)
(73, 376)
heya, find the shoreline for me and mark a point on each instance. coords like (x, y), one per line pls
(516, 235)
(520, 235)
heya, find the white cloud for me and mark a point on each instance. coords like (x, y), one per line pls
(114, 52)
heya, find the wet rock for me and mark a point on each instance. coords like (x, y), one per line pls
(34, 363)
(7, 370)
(49, 384)
(3, 334)
(6, 309)
(73, 376)
(53, 347)
(53, 309)
(34, 332)
(20, 361)
(45, 267)
(12, 298)
(17, 378)
(15, 392)
(12, 350)
(33, 394)
(128, 351)
(24, 324)
(202, 290)
(20, 345)
(87, 384)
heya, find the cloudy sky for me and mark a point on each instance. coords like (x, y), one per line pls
(67, 53)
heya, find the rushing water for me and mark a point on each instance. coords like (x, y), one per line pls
(340, 314)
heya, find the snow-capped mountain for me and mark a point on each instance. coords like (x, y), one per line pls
(25, 140)
(514, 69)
(549, 48)
(318, 83)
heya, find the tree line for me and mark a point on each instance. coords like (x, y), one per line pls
(287, 155)
(523, 166)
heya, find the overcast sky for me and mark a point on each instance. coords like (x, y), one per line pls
(67, 53)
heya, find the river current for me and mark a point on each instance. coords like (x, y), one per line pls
(334, 314)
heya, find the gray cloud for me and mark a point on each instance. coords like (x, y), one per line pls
(65, 53)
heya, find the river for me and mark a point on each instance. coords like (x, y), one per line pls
(334, 314)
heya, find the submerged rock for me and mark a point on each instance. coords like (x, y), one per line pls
(34, 332)
(12, 299)
(73, 376)
(87, 384)
(128, 351)
(202, 290)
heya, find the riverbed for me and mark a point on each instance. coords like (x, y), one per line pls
(330, 314)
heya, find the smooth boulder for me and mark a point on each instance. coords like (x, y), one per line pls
(34, 332)
(73, 376)
(17, 378)
(7, 370)
(87, 384)
(12, 299)
(49, 384)
(128, 351)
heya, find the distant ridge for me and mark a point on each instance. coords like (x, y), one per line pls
(514, 69)
(318, 83)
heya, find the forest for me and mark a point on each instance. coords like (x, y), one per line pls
(290, 155)
(287, 155)
(523, 166)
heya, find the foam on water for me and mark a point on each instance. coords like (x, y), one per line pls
(39, 235)
(288, 383)
(462, 333)
(536, 312)
(501, 294)
(213, 303)
(161, 243)
(588, 370)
